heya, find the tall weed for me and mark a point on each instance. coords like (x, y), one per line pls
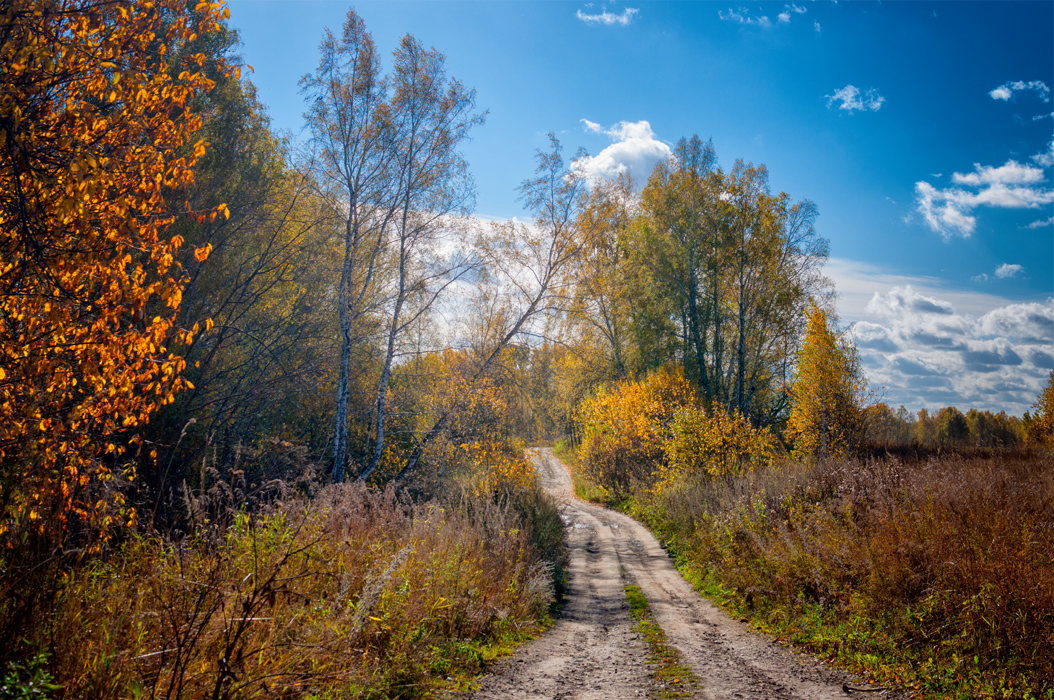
(352, 594)
(944, 567)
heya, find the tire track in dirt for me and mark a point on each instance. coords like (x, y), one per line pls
(593, 652)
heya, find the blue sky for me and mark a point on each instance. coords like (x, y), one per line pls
(922, 131)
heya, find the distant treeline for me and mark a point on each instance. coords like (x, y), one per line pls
(884, 426)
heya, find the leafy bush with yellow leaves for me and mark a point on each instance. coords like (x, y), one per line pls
(624, 428)
(714, 442)
(496, 468)
(655, 430)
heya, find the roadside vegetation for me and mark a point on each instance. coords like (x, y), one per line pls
(925, 568)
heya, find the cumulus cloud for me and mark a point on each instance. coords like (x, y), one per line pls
(931, 354)
(901, 300)
(635, 150)
(1007, 270)
(1031, 322)
(852, 99)
(874, 336)
(743, 17)
(607, 18)
(1041, 223)
(1012, 173)
(1013, 185)
(1006, 91)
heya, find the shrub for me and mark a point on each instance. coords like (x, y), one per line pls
(355, 593)
(939, 572)
(713, 442)
(1041, 425)
(624, 429)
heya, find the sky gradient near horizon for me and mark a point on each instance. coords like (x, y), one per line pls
(922, 131)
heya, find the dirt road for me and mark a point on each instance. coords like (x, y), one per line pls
(593, 652)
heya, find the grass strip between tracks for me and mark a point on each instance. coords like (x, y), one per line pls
(674, 678)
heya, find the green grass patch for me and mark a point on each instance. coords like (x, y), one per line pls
(674, 678)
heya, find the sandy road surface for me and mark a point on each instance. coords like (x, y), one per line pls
(593, 652)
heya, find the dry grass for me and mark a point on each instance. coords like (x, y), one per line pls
(943, 566)
(353, 594)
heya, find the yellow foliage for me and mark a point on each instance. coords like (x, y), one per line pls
(716, 442)
(624, 429)
(91, 122)
(656, 429)
(826, 419)
(497, 468)
(1041, 428)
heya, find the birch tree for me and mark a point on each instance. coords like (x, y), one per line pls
(351, 138)
(523, 274)
(430, 117)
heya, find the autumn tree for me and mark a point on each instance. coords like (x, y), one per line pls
(1041, 426)
(258, 374)
(95, 129)
(952, 427)
(92, 122)
(386, 157)
(429, 116)
(350, 158)
(732, 268)
(826, 392)
(601, 312)
(522, 281)
(884, 426)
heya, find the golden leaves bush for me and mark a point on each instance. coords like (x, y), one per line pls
(496, 468)
(624, 429)
(95, 110)
(713, 442)
(655, 430)
(1040, 429)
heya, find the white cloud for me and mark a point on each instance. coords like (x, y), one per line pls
(1030, 321)
(1041, 223)
(906, 299)
(1012, 173)
(1007, 270)
(608, 18)
(1001, 93)
(743, 17)
(929, 352)
(1046, 158)
(852, 99)
(635, 150)
(1006, 91)
(1013, 185)
(816, 26)
(788, 10)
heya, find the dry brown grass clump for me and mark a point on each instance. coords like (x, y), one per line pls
(945, 563)
(354, 594)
